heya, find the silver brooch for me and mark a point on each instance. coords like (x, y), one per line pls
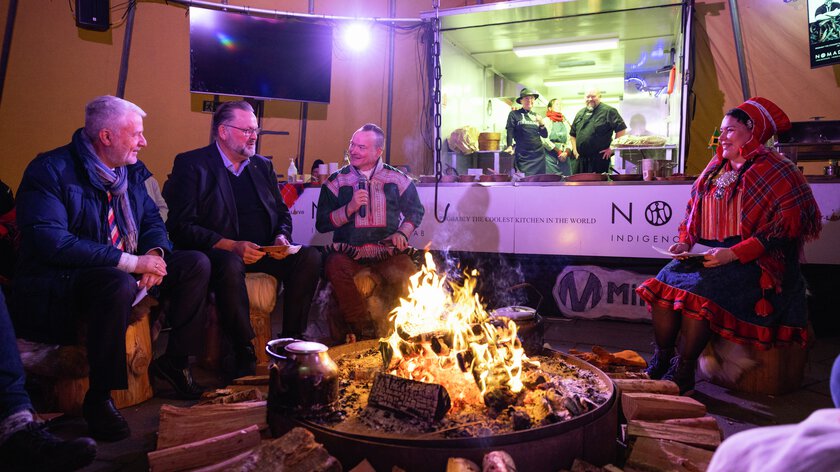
(724, 180)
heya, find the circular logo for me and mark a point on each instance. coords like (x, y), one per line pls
(658, 213)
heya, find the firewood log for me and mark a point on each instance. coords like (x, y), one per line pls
(498, 461)
(665, 387)
(653, 406)
(185, 425)
(459, 464)
(204, 452)
(707, 422)
(295, 451)
(417, 399)
(700, 437)
(657, 454)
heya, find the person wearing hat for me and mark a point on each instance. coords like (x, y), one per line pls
(526, 128)
(754, 211)
(592, 132)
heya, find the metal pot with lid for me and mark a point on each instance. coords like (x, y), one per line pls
(529, 326)
(303, 379)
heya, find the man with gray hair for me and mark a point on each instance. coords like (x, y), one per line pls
(224, 201)
(91, 240)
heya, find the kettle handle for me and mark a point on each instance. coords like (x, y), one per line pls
(272, 347)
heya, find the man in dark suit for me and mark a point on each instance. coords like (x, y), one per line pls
(224, 200)
(91, 240)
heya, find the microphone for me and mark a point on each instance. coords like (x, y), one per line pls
(362, 186)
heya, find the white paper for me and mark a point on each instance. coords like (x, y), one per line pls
(699, 250)
(140, 295)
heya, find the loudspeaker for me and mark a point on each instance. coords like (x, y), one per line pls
(93, 14)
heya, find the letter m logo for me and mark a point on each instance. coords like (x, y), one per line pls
(578, 290)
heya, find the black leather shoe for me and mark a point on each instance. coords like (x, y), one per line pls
(180, 379)
(246, 361)
(105, 422)
(35, 448)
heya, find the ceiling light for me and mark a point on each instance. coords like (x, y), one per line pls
(546, 49)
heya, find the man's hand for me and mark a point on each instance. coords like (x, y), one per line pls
(360, 198)
(281, 240)
(508, 150)
(398, 240)
(248, 251)
(152, 269)
(606, 153)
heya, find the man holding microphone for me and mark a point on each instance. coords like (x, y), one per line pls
(373, 209)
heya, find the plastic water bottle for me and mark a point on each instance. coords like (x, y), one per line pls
(292, 172)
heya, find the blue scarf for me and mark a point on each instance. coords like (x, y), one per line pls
(116, 182)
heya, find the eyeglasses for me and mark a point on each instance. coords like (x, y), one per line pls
(247, 131)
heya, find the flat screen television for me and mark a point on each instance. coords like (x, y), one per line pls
(263, 58)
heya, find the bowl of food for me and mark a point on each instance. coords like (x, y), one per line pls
(494, 178)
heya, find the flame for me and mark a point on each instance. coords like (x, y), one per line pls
(443, 334)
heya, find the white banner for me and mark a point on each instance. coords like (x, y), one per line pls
(607, 220)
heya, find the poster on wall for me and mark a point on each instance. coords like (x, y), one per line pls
(824, 32)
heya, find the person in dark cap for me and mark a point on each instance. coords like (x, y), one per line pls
(754, 211)
(592, 133)
(526, 128)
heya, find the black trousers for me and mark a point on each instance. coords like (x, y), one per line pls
(104, 296)
(299, 274)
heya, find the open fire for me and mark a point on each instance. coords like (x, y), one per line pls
(443, 334)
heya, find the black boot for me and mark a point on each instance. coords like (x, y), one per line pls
(178, 376)
(681, 373)
(245, 361)
(34, 448)
(659, 363)
(105, 422)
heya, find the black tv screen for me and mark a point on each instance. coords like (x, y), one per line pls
(241, 55)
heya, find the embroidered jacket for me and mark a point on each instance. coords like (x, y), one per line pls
(394, 206)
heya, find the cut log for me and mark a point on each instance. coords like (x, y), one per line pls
(421, 400)
(665, 387)
(251, 380)
(205, 452)
(295, 451)
(186, 425)
(227, 395)
(580, 465)
(700, 437)
(653, 406)
(498, 461)
(707, 422)
(460, 464)
(657, 454)
(363, 466)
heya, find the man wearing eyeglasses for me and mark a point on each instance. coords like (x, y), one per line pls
(224, 200)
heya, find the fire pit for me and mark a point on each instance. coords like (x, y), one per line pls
(452, 382)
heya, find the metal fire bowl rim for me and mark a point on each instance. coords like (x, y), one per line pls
(495, 440)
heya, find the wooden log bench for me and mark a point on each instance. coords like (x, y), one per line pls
(62, 371)
(262, 296)
(750, 370)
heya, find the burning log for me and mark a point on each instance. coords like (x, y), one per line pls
(416, 399)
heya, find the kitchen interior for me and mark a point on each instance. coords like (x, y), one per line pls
(634, 52)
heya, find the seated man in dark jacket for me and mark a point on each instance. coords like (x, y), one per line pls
(224, 200)
(91, 239)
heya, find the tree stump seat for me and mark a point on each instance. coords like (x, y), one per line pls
(62, 371)
(747, 369)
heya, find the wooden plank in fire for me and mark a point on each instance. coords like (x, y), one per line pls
(421, 400)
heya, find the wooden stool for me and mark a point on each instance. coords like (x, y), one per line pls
(262, 295)
(772, 372)
(65, 388)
